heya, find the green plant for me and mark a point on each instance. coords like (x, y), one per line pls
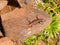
(53, 29)
(33, 40)
(53, 9)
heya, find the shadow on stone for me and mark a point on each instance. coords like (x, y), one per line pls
(2, 29)
(13, 3)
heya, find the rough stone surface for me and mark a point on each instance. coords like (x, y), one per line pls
(23, 22)
(7, 9)
(6, 41)
(1, 35)
(41, 42)
(26, 2)
(58, 39)
(3, 3)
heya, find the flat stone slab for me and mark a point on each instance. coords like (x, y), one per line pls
(24, 22)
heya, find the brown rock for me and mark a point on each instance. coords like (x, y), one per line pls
(58, 39)
(21, 23)
(52, 41)
(41, 42)
(3, 3)
(21, 3)
(26, 2)
(1, 35)
(6, 41)
(7, 9)
(58, 43)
